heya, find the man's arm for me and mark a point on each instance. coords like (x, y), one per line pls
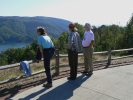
(91, 44)
(92, 40)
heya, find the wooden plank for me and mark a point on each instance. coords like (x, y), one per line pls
(13, 65)
(62, 56)
(57, 62)
(18, 64)
(109, 56)
(65, 55)
(9, 66)
(81, 54)
(31, 61)
(103, 52)
(121, 57)
(121, 50)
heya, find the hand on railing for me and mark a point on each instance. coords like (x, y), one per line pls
(35, 61)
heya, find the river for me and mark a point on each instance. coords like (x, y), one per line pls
(6, 45)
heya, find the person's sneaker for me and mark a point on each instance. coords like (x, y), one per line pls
(69, 78)
(47, 85)
(89, 73)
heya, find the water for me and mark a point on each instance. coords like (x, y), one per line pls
(6, 45)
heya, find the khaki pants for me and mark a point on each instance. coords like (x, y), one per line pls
(88, 61)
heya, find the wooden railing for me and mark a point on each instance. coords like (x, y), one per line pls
(57, 66)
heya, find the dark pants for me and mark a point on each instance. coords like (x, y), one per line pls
(73, 62)
(47, 54)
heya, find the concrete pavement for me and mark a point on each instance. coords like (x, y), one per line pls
(108, 84)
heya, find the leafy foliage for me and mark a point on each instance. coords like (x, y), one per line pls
(61, 42)
(114, 36)
(13, 55)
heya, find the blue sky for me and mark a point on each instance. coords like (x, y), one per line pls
(96, 12)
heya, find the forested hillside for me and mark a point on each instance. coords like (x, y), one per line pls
(23, 29)
(113, 36)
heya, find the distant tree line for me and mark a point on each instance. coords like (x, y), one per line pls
(113, 36)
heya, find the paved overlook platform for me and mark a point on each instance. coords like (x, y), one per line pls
(108, 84)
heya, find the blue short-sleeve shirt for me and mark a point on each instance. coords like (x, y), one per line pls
(44, 41)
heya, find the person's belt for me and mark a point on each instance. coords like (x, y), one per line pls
(47, 48)
(86, 47)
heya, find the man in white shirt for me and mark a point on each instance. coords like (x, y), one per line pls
(87, 43)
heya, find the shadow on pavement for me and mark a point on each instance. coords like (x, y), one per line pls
(61, 92)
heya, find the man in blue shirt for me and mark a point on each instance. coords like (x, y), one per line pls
(46, 48)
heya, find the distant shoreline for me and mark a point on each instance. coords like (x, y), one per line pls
(14, 42)
(7, 45)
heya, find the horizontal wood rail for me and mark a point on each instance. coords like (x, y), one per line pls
(57, 66)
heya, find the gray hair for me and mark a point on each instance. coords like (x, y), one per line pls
(88, 25)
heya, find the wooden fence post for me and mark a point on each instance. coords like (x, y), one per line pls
(57, 61)
(109, 56)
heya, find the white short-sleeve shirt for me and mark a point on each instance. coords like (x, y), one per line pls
(88, 37)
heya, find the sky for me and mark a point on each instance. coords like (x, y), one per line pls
(95, 12)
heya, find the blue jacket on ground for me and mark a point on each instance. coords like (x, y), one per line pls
(24, 65)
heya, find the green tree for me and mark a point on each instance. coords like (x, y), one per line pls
(61, 42)
(128, 36)
(81, 29)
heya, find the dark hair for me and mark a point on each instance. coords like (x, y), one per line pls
(72, 29)
(41, 30)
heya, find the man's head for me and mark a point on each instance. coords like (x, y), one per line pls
(87, 27)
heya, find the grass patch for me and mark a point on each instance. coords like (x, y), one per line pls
(1, 78)
(36, 69)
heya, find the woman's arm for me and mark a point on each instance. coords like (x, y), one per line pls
(41, 50)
